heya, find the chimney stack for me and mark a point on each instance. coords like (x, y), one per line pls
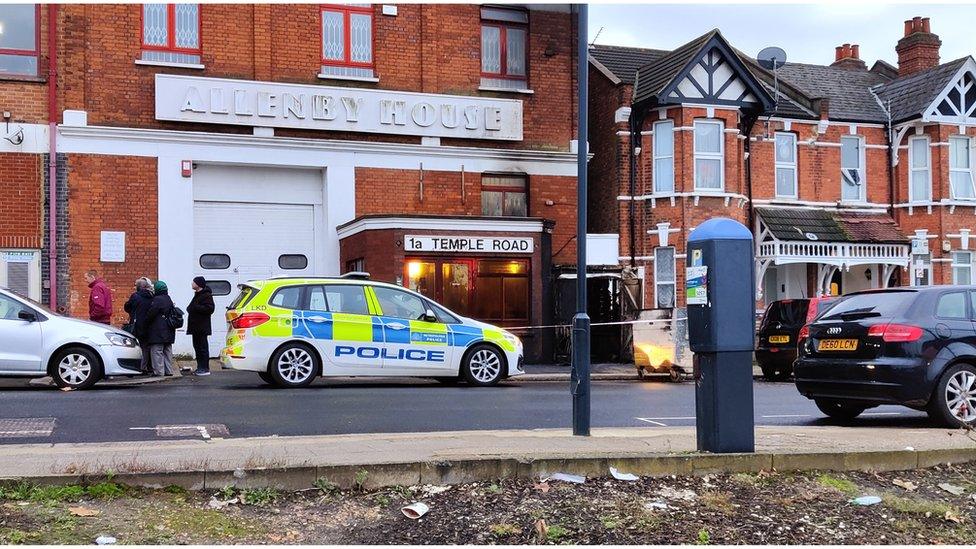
(919, 48)
(848, 56)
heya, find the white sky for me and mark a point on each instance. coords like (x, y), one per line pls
(808, 32)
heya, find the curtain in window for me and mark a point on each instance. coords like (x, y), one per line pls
(785, 165)
(850, 163)
(491, 49)
(155, 24)
(515, 51)
(960, 168)
(187, 26)
(921, 190)
(962, 267)
(333, 36)
(663, 157)
(361, 38)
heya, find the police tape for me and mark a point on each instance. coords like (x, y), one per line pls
(650, 321)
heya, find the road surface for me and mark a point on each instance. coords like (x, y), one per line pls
(238, 404)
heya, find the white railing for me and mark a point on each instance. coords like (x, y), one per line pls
(834, 253)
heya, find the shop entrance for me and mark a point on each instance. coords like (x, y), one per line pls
(491, 290)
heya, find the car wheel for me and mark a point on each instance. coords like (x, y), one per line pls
(294, 365)
(483, 366)
(76, 368)
(954, 401)
(267, 378)
(839, 409)
(776, 373)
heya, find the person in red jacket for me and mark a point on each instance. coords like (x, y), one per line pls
(100, 300)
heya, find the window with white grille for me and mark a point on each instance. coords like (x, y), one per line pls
(347, 40)
(663, 156)
(961, 167)
(171, 33)
(709, 155)
(785, 144)
(920, 178)
(853, 183)
(664, 277)
(504, 45)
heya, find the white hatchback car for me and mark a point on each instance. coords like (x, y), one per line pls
(37, 342)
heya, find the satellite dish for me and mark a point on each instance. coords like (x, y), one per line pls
(771, 58)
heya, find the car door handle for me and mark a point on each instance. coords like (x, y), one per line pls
(318, 319)
(396, 325)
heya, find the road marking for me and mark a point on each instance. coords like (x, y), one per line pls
(664, 418)
(786, 415)
(27, 427)
(204, 431)
(648, 420)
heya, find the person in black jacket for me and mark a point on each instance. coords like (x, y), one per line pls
(137, 306)
(198, 314)
(159, 334)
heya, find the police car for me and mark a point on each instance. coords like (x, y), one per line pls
(291, 330)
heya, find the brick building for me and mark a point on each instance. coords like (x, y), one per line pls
(432, 145)
(850, 177)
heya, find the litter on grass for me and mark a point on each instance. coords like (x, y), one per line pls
(952, 489)
(866, 500)
(630, 477)
(105, 540)
(415, 510)
(565, 477)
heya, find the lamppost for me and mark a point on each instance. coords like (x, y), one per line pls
(580, 379)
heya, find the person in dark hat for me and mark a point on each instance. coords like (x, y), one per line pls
(199, 311)
(160, 333)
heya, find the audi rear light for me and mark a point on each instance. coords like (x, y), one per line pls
(804, 332)
(895, 333)
(249, 320)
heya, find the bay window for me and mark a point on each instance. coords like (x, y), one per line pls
(171, 33)
(961, 167)
(920, 183)
(504, 47)
(664, 277)
(504, 195)
(962, 267)
(785, 144)
(19, 39)
(664, 156)
(853, 184)
(347, 41)
(709, 155)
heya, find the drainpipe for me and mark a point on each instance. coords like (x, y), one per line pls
(52, 161)
(633, 185)
(748, 122)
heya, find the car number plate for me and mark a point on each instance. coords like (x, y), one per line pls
(837, 345)
(779, 339)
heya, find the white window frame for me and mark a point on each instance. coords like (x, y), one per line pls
(786, 166)
(957, 265)
(912, 168)
(970, 171)
(661, 133)
(674, 276)
(720, 156)
(861, 172)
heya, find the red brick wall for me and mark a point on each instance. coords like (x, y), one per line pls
(434, 48)
(21, 199)
(389, 191)
(97, 203)
(605, 181)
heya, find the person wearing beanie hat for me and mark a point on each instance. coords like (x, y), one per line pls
(160, 334)
(198, 323)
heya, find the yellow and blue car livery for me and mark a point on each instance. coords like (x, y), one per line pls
(413, 337)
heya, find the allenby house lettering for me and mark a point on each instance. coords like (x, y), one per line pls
(276, 105)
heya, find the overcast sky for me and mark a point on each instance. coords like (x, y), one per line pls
(808, 32)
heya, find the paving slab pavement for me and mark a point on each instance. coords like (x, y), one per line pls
(462, 456)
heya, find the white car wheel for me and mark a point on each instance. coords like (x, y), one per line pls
(960, 396)
(76, 368)
(483, 366)
(294, 365)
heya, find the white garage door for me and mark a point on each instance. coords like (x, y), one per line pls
(242, 231)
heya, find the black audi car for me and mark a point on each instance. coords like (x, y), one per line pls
(910, 346)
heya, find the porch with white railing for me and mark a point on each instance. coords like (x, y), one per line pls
(840, 254)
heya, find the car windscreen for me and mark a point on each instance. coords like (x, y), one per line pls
(788, 313)
(871, 304)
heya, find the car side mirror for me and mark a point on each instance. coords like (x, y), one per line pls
(429, 316)
(27, 315)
